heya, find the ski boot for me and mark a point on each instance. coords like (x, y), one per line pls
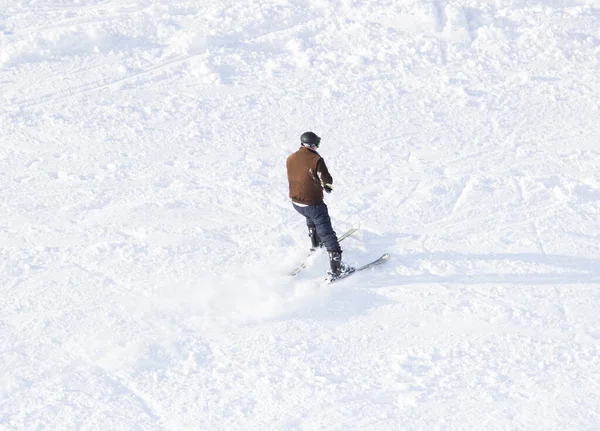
(315, 241)
(338, 268)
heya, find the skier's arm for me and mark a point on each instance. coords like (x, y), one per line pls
(324, 176)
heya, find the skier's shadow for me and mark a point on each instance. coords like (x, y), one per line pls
(569, 269)
(533, 268)
(357, 297)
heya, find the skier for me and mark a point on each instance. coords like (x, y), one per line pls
(308, 177)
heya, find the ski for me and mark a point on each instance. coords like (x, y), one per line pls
(312, 252)
(384, 258)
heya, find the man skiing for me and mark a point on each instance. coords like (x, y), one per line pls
(308, 177)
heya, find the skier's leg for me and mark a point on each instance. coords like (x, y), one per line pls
(319, 214)
(315, 241)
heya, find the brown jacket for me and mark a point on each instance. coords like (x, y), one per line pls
(307, 175)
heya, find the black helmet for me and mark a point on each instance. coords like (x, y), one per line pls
(310, 139)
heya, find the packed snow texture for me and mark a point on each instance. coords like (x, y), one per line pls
(146, 231)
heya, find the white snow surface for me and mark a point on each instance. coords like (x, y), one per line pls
(146, 233)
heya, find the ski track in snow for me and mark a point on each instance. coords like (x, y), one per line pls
(145, 229)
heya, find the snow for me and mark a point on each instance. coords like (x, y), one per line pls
(146, 232)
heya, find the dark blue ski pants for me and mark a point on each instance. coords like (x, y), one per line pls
(317, 216)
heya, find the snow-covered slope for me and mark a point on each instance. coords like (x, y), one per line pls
(146, 233)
